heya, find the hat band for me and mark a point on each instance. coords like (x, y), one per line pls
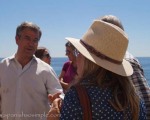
(98, 54)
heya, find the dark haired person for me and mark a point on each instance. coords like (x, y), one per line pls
(25, 81)
(43, 54)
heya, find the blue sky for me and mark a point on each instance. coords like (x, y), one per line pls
(71, 18)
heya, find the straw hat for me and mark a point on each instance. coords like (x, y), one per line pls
(105, 44)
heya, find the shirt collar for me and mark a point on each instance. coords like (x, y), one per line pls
(11, 58)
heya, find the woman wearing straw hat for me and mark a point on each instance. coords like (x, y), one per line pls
(103, 72)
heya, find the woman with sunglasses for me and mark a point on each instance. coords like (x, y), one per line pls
(43, 54)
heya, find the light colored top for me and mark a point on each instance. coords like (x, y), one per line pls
(24, 92)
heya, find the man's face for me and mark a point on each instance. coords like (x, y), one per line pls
(27, 42)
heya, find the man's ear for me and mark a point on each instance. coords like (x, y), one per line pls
(17, 39)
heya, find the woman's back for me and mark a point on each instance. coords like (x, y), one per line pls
(101, 107)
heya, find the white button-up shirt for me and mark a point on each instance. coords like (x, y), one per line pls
(24, 92)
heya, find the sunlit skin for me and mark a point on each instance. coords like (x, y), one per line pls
(27, 43)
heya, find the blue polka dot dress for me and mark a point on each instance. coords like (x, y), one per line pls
(101, 108)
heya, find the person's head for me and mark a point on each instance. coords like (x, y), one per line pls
(69, 51)
(43, 54)
(27, 37)
(100, 59)
(113, 20)
(105, 45)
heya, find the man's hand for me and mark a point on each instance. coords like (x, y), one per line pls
(54, 112)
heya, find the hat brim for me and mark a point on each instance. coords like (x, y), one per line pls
(123, 69)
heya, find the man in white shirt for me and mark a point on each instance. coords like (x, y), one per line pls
(26, 81)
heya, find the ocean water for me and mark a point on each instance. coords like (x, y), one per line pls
(57, 64)
(145, 62)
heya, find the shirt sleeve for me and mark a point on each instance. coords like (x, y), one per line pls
(52, 84)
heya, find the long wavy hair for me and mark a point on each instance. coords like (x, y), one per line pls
(122, 89)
